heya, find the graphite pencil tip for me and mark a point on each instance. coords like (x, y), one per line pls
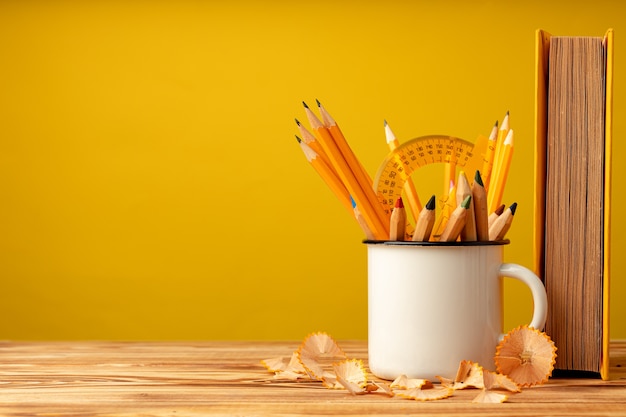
(318, 103)
(305, 106)
(298, 122)
(431, 203)
(299, 140)
(478, 179)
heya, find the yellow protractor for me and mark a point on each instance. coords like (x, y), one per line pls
(402, 162)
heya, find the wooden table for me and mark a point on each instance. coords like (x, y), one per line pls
(227, 378)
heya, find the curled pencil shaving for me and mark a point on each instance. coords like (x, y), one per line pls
(317, 353)
(426, 393)
(286, 369)
(526, 355)
(493, 380)
(490, 397)
(404, 382)
(469, 374)
(472, 375)
(351, 375)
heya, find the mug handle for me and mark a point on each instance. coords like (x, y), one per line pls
(538, 291)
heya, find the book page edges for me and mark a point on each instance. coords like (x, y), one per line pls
(542, 50)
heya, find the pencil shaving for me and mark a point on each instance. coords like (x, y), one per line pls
(286, 370)
(526, 355)
(426, 394)
(404, 382)
(469, 375)
(490, 397)
(351, 375)
(275, 364)
(493, 380)
(317, 354)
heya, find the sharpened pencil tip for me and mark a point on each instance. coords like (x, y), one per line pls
(496, 124)
(305, 106)
(298, 122)
(353, 202)
(478, 179)
(318, 103)
(466, 203)
(299, 140)
(385, 121)
(399, 203)
(513, 208)
(431, 203)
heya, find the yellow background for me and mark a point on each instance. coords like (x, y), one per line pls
(151, 186)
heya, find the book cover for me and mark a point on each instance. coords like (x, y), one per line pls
(545, 120)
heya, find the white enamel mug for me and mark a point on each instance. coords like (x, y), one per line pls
(431, 305)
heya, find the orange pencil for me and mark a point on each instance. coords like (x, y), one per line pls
(357, 168)
(497, 188)
(337, 134)
(361, 221)
(490, 156)
(497, 161)
(327, 174)
(312, 142)
(360, 194)
(415, 207)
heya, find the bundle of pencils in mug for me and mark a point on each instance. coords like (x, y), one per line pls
(471, 210)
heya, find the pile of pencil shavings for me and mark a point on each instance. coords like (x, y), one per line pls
(525, 357)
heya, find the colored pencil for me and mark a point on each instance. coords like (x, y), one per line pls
(425, 222)
(481, 208)
(456, 222)
(397, 222)
(497, 213)
(463, 190)
(448, 206)
(498, 229)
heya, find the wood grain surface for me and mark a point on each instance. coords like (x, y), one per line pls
(227, 378)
